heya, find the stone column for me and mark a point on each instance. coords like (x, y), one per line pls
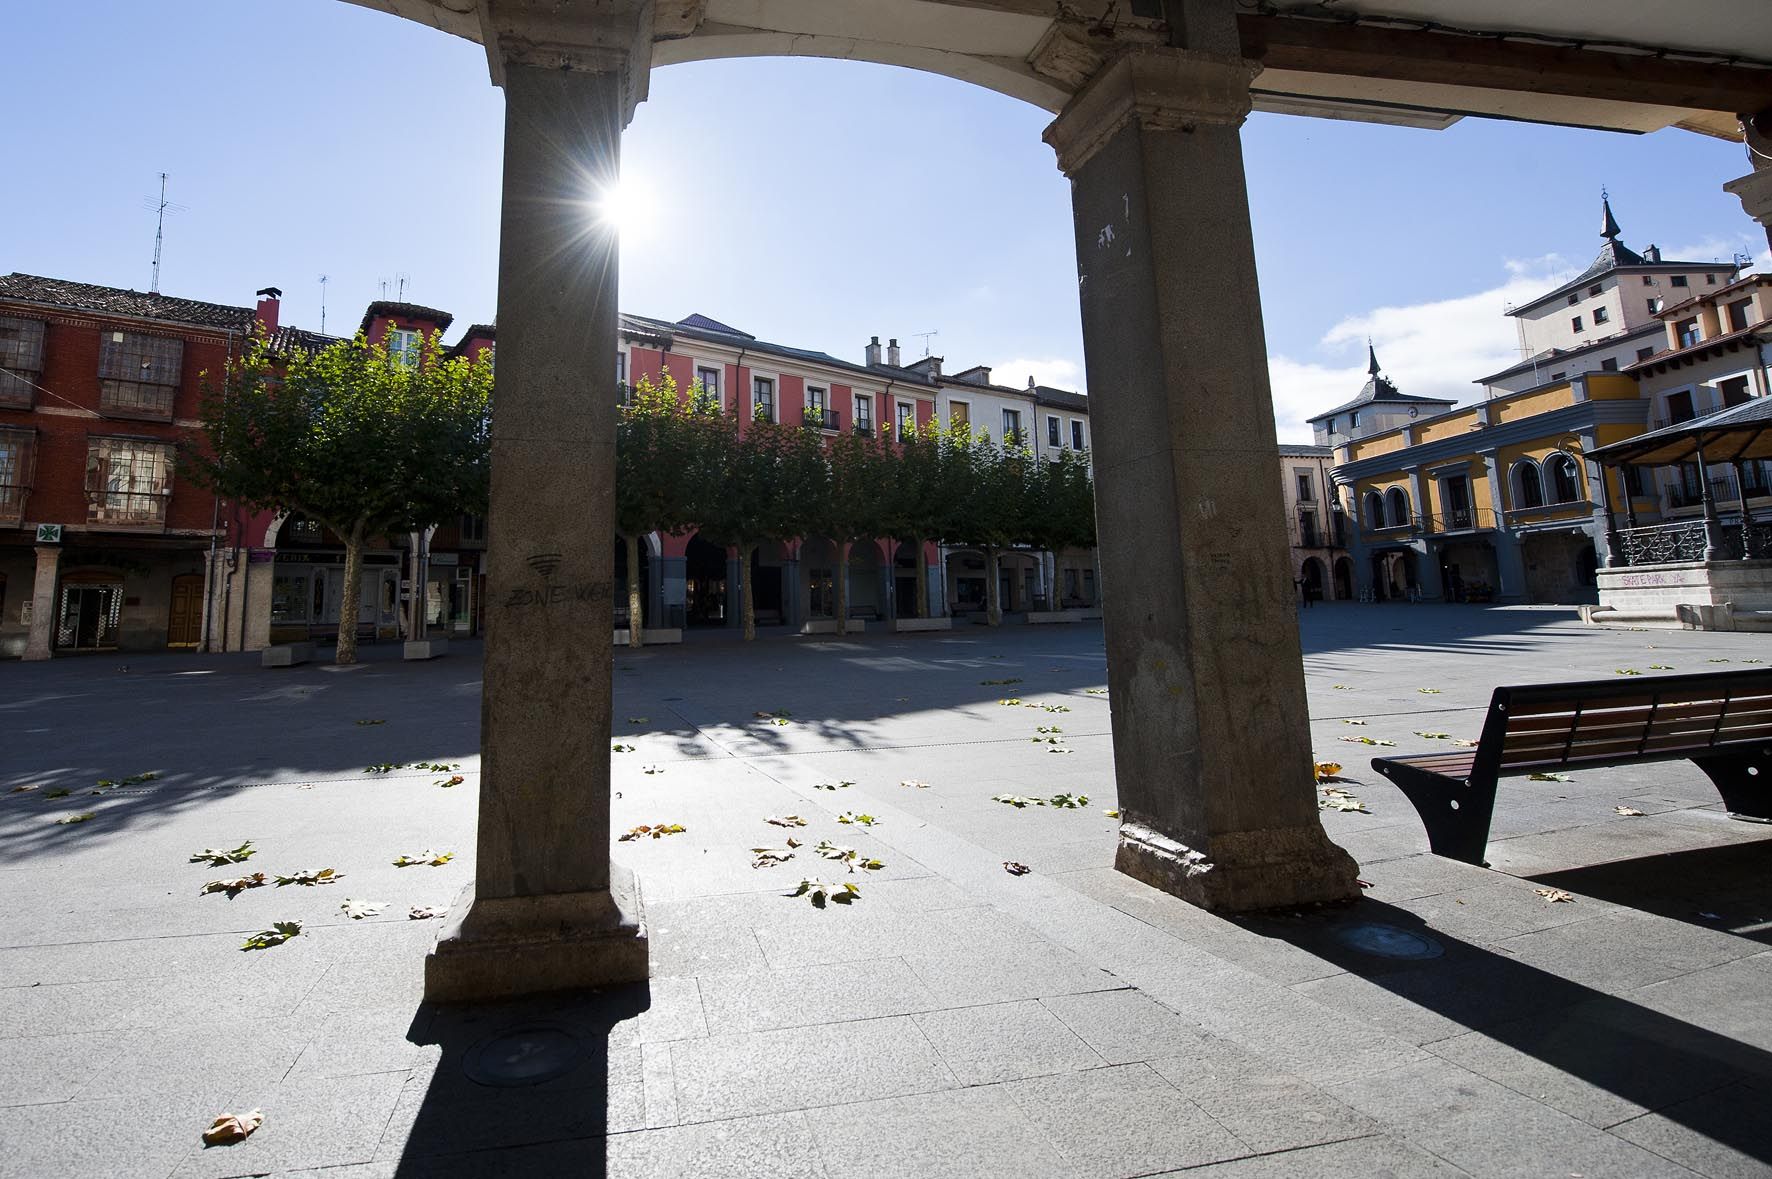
(40, 642)
(548, 910)
(1204, 661)
(1755, 189)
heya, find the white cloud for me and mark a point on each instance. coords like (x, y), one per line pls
(1435, 349)
(1723, 248)
(1056, 371)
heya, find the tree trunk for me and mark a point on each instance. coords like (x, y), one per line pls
(749, 609)
(636, 623)
(350, 594)
(922, 582)
(843, 588)
(993, 592)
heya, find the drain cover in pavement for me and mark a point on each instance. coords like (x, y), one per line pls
(528, 1055)
(1387, 941)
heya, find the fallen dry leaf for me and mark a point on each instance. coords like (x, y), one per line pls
(786, 820)
(821, 893)
(1555, 895)
(451, 780)
(1112, 814)
(311, 876)
(655, 830)
(1337, 799)
(768, 857)
(23, 789)
(357, 910)
(79, 818)
(912, 782)
(435, 859)
(231, 1128)
(1629, 812)
(216, 857)
(1327, 770)
(279, 933)
(1463, 744)
(234, 886)
(1015, 869)
(426, 912)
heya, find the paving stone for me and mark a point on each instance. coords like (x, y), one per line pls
(981, 1133)
(1728, 999)
(774, 1146)
(1089, 1117)
(123, 1137)
(183, 1062)
(1027, 972)
(309, 1122)
(1623, 950)
(432, 1119)
(799, 996)
(1262, 1104)
(1487, 1129)
(1005, 1041)
(803, 1068)
(60, 1008)
(1125, 1026)
(1374, 1157)
(36, 1069)
(1724, 1133)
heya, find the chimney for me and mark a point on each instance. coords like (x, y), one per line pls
(270, 304)
(873, 351)
(1652, 254)
(1030, 381)
(892, 357)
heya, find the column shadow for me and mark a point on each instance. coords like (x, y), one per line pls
(1707, 1082)
(529, 1087)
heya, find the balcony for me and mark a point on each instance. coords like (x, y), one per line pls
(144, 510)
(12, 502)
(1462, 520)
(814, 418)
(1518, 516)
(864, 428)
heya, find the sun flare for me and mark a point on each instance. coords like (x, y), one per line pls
(625, 207)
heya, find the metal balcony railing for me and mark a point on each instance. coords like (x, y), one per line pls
(820, 419)
(12, 501)
(127, 508)
(1462, 520)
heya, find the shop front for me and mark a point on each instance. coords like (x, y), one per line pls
(307, 588)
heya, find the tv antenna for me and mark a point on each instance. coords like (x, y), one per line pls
(924, 336)
(402, 280)
(160, 208)
(324, 279)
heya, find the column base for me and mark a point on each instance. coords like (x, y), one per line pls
(1244, 871)
(508, 947)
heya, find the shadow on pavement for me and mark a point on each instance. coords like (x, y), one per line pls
(1726, 888)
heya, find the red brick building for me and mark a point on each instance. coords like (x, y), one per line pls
(102, 544)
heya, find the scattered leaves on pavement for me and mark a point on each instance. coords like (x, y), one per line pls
(786, 820)
(1051, 707)
(852, 817)
(1555, 895)
(1433, 736)
(1428, 691)
(426, 912)
(1716, 661)
(1328, 770)
(231, 1128)
(821, 893)
(384, 767)
(913, 782)
(451, 780)
(1352, 722)
(833, 786)
(1626, 671)
(440, 767)
(1068, 802)
(310, 877)
(1095, 691)
(1336, 799)
(132, 780)
(1462, 743)
(1111, 812)
(639, 720)
(372, 722)
(1629, 812)
(1661, 667)
(435, 859)
(216, 857)
(1016, 800)
(1342, 687)
(655, 830)
(357, 910)
(620, 748)
(234, 886)
(846, 855)
(1010, 702)
(23, 789)
(1016, 869)
(652, 770)
(279, 933)
(1543, 776)
(1366, 740)
(1047, 729)
(768, 857)
(58, 792)
(79, 818)
(1014, 679)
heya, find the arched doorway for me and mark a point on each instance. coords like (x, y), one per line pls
(1313, 579)
(1344, 579)
(704, 583)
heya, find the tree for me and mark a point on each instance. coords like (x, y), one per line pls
(352, 438)
(918, 497)
(659, 471)
(852, 507)
(991, 482)
(1059, 505)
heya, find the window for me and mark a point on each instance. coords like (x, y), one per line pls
(21, 360)
(1633, 481)
(1374, 510)
(1012, 427)
(1528, 486)
(1648, 280)
(1396, 506)
(305, 531)
(1353, 420)
(1654, 306)
(403, 346)
(709, 380)
(473, 529)
(1076, 434)
(1574, 299)
(1678, 280)
(138, 374)
(1645, 353)
(1559, 376)
(621, 368)
(815, 406)
(1734, 391)
(763, 399)
(1609, 365)
(1596, 289)
(1053, 437)
(1738, 313)
(1601, 315)
(1679, 407)
(1565, 482)
(1307, 529)
(864, 415)
(907, 420)
(1575, 323)
(1686, 331)
(15, 472)
(959, 414)
(128, 480)
(1710, 280)
(1305, 493)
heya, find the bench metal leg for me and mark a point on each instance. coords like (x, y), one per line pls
(1456, 814)
(1743, 779)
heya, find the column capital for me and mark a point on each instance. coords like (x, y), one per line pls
(584, 36)
(1755, 193)
(1164, 89)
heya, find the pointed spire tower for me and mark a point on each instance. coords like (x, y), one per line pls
(1608, 224)
(1614, 252)
(1376, 386)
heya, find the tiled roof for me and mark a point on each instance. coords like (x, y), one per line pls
(405, 313)
(1061, 398)
(84, 296)
(722, 334)
(1299, 450)
(293, 339)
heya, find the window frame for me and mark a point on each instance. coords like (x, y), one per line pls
(1078, 441)
(1054, 432)
(761, 388)
(101, 479)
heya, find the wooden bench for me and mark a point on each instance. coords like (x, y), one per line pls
(1720, 721)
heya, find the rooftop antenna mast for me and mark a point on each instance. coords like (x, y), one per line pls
(324, 279)
(402, 280)
(160, 207)
(924, 336)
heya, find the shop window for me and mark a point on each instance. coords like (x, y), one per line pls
(289, 597)
(138, 374)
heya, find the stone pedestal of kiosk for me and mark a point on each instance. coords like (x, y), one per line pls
(1211, 732)
(548, 910)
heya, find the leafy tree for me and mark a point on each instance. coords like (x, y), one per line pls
(992, 482)
(919, 497)
(1058, 508)
(660, 473)
(853, 506)
(352, 438)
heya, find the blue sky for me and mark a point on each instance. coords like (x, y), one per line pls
(811, 202)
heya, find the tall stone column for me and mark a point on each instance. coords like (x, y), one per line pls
(548, 910)
(1204, 661)
(40, 641)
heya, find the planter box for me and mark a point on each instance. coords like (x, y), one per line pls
(286, 655)
(652, 636)
(828, 626)
(425, 649)
(910, 625)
